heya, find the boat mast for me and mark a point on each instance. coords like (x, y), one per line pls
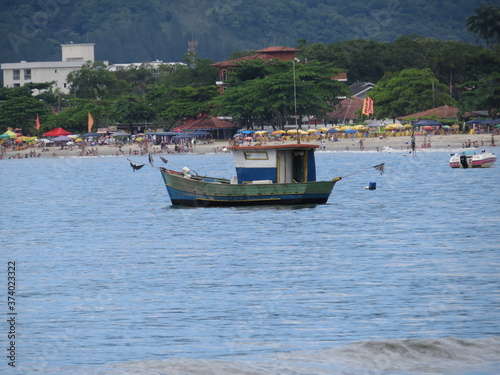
(295, 102)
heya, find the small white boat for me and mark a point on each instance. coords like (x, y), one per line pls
(473, 159)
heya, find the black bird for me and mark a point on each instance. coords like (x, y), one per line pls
(135, 167)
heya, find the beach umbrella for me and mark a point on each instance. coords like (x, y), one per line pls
(11, 134)
(91, 134)
(475, 121)
(490, 122)
(57, 132)
(322, 129)
(332, 130)
(311, 131)
(350, 131)
(292, 131)
(4, 136)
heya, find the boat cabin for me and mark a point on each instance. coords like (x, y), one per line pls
(275, 164)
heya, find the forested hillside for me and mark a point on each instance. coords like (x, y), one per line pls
(144, 30)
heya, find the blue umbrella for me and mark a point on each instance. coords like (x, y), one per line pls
(350, 131)
(490, 122)
(475, 121)
(332, 130)
(428, 123)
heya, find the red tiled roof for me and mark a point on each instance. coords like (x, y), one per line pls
(445, 111)
(277, 49)
(207, 123)
(348, 109)
(235, 62)
(341, 76)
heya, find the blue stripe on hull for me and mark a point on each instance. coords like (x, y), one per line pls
(179, 197)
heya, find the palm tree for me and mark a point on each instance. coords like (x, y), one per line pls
(485, 24)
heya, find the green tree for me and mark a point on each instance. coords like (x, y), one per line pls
(196, 72)
(407, 92)
(485, 24)
(129, 109)
(273, 95)
(21, 111)
(482, 95)
(94, 81)
(74, 118)
(175, 103)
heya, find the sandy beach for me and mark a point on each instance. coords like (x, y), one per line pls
(452, 142)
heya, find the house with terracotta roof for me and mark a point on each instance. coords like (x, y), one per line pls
(347, 110)
(443, 112)
(266, 54)
(219, 128)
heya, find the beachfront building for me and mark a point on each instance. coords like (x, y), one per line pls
(267, 54)
(153, 65)
(73, 57)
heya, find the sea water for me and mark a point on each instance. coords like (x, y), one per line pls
(111, 279)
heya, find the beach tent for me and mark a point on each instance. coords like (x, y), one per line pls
(57, 132)
(10, 133)
(86, 135)
(62, 138)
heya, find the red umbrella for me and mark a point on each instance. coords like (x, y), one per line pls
(57, 132)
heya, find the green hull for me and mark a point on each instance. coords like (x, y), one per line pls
(203, 191)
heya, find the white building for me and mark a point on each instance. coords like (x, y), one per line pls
(154, 65)
(73, 57)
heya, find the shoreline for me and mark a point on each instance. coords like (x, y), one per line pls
(452, 142)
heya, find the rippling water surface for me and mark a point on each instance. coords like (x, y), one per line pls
(113, 280)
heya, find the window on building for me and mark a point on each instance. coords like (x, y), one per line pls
(55, 70)
(27, 74)
(16, 85)
(16, 75)
(224, 74)
(64, 85)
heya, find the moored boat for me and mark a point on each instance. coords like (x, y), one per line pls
(265, 175)
(473, 159)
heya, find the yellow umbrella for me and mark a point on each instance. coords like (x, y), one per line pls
(303, 132)
(323, 129)
(78, 140)
(312, 131)
(292, 131)
(11, 134)
(407, 125)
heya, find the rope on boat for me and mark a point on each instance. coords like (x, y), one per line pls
(378, 167)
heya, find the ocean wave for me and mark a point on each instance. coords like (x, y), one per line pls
(409, 356)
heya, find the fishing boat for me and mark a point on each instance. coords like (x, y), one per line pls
(473, 159)
(265, 175)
